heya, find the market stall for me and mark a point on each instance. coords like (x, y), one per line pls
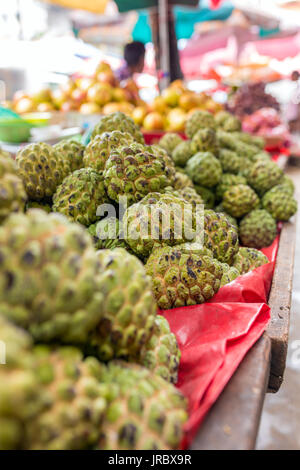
(146, 255)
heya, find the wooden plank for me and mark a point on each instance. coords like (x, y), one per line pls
(280, 303)
(233, 421)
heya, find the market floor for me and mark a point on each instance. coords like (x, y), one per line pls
(280, 424)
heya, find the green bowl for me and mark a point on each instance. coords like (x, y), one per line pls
(37, 119)
(14, 130)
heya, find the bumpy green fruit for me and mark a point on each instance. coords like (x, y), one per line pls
(20, 396)
(12, 192)
(257, 229)
(264, 175)
(161, 353)
(79, 196)
(205, 141)
(188, 194)
(106, 234)
(227, 121)
(288, 183)
(98, 150)
(169, 141)
(262, 156)
(182, 180)
(74, 413)
(72, 153)
(182, 153)
(230, 273)
(204, 169)
(248, 259)
(230, 161)
(128, 308)
(207, 195)
(280, 203)
(134, 171)
(118, 122)
(250, 139)
(227, 181)
(239, 200)
(220, 236)
(182, 278)
(231, 220)
(144, 411)
(158, 219)
(48, 277)
(170, 169)
(41, 169)
(199, 120)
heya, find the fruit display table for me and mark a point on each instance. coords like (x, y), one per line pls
(233, 421)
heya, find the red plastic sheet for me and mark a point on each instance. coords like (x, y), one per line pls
(213, 339)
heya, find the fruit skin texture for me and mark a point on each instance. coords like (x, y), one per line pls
(263, 176)
(73, 418)
(42, 169)
(288, 183)
(204, 141)
(79, 196)
(170, 169)
(161, 353)
(98, 150)
(134, 171)
(180, 277)
(257, 229)
(38, 205)
(227, 181)
(280, 203)
(144, 411)
(118, 122)
(248, 259)
(204, 169)
(239, 200)
(106, 234)
(199, 120)
(72, 153)
(12, 193)
(182, 153)
(169, 142)
(181, 180)
(20, 397)
(128, 309)
(48, 277)
(220, 236)
(230, 161)
(190, 195)
(227, 121)
(159, 219)
(207, 195)
(230, 273)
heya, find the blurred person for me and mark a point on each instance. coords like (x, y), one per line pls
(134, 60)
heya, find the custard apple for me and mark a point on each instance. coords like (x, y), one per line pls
(182, 278)
(230, 161)
(144, 411)
(207, 195)
(169, 142)
(257, 229)
(205, 141)
(12, 193)
(263, 176)
(134, 171)
(239, 200)
(182, 153)
(248, 259)
(72, 153)
(79, 196)
(106, 234)
(118, 122)
(42, 169)
(98, 150)
(226, 182)
(280, 203)
(199, 120)
(230, 273)
(220, 236)
(204, 169)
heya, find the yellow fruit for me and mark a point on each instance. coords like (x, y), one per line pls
(99, 93)
(85, 83)
(42, 96)
(24, 105)
(45, 107)
(138, 115)
(171, 96)
(153, 121)
(188, 100)
(119, 94)
(158, 105)
(89, 108)
(176, 120)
